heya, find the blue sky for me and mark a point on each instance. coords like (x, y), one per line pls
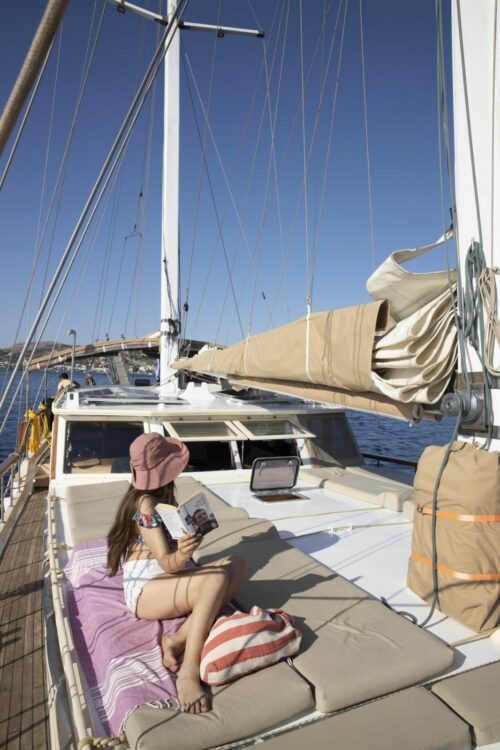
(114, 288)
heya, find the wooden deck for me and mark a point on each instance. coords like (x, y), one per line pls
(23, 699)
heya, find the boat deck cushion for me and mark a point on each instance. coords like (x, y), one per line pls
(257, 703)
(475, 696)
(354, 648)
(363, 485)
(92, 508)
(412, 719)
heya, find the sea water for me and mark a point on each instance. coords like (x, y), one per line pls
(375, 434)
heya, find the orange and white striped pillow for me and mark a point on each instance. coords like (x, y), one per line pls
(241, 643)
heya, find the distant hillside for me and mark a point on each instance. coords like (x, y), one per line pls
(136, 361)
(11, 353)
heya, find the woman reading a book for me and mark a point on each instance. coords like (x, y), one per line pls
(160, 580)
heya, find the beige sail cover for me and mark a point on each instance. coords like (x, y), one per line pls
(358, 357)
(332, 349)
(468, 536)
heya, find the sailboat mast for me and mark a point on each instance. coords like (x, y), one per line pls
(476, 99)
(170, 316)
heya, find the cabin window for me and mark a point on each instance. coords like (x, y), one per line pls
(334, 441)
(251, 449)
(208, 442)
(99, 447)
(210, 456)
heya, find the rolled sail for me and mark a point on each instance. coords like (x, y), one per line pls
(363, 357)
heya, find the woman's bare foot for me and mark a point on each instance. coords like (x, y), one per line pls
(172, 647)
(192, 697)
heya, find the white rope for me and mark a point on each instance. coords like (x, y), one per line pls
(308, 324)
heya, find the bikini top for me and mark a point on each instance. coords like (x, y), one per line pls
(149, 521)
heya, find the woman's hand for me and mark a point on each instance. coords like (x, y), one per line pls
(187, 544)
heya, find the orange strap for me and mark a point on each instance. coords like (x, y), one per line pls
(456, 573)
(457, 516)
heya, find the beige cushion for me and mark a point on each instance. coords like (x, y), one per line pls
(256, 703)
(354, 648)
(475, 696)
(363, 485)
(234, 536)
(92, 507)
(410, 720)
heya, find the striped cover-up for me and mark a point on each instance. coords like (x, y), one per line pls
(120, 656)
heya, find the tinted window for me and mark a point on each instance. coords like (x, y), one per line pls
(99, 447)
(209, 456)
(252, 449)
(334, 438)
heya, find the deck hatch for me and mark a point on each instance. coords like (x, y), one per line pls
(214, 429)
(271, 428)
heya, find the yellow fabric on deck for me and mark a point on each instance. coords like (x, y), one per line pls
(34, 442)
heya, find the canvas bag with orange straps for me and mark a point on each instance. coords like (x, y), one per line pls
(467, 534)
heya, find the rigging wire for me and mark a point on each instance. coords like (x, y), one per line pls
(368, 160)
(86, 65)
(26, 115)
(263, 69)
(184, 318)
(48, 316)
(214, 203)
(38, 244)
(330, 139)
(64, 162)
(271, 165)
(251, 171)
(128, 122)
(106, 262)
(304, 159)
(313, 140)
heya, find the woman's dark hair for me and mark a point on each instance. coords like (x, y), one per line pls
(121, 535)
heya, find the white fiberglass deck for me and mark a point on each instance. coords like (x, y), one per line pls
(366, 544)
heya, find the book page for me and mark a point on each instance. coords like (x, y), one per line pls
(172, 519)
(197, 514)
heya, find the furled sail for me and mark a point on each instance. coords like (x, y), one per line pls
(362, 357)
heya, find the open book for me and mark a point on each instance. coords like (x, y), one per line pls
(192, 516)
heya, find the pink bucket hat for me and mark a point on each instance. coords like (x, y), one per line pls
(155, 460)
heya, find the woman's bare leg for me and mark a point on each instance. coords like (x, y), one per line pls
(202, 592)
(173, 645)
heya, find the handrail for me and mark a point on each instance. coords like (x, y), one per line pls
(391, 459)
(8, 462)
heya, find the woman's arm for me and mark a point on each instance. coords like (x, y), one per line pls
(171, 562)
